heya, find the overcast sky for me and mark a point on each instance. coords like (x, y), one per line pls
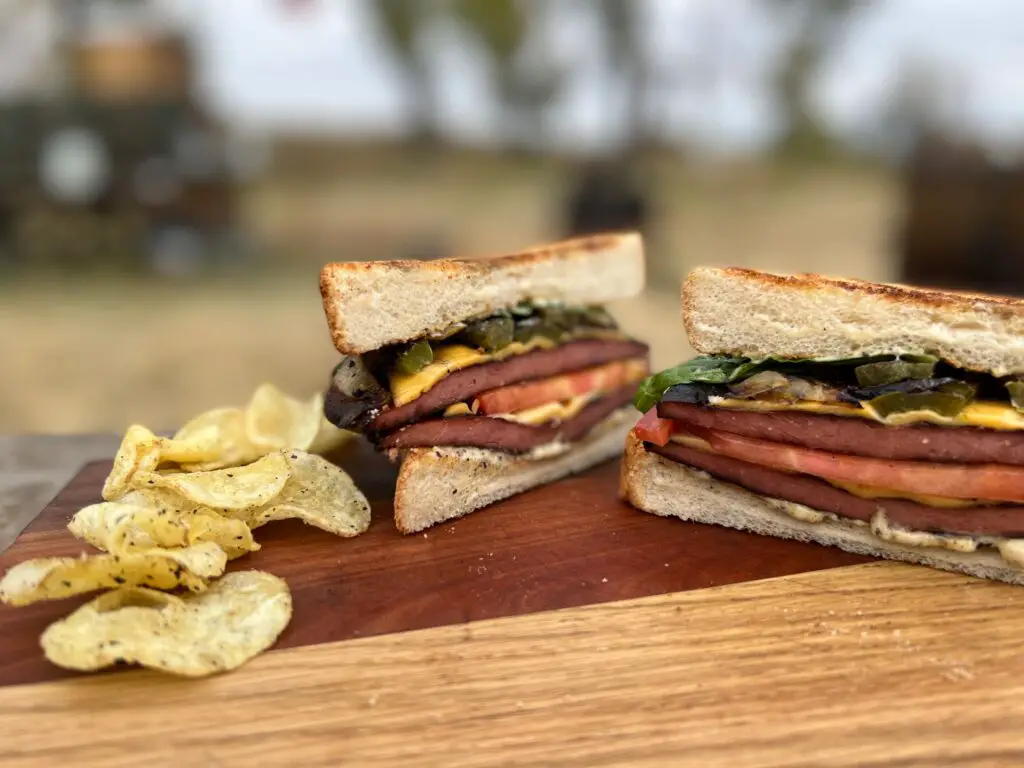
(324, 68)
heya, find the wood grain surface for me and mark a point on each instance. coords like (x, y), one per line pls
(569, 544)
(880, 664)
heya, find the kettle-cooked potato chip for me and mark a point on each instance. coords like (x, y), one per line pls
(276, 422)
(52, 578)
(139, 450)
(236, 619)
(143, 520)
(233, 488)
(234, 446)
(142, 452)
(318, 493)
(228, 437)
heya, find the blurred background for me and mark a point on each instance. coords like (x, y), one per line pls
(173, 174)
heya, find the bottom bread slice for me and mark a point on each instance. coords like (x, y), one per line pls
(667, 488)
(439, 484)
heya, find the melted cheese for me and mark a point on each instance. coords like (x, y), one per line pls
(544, 414)
(540, 414)
(449, 358)
(871, 492)
(985, 415)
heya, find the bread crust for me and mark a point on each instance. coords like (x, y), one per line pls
(439, 484)
(371, 304)
(666, 488)
(751, 313)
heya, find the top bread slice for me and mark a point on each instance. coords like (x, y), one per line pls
(372, 304)
(747, 313)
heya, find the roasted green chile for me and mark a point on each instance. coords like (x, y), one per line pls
(598, 317)
(537, 325)
(492, 333)
(892, 371)
(521, 323)
(1016, 391)
(414, 358)
(948, 401)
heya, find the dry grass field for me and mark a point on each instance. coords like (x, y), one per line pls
(96, 356)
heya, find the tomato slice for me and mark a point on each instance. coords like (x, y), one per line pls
(652, 429)
(555, 389)
(991, 482)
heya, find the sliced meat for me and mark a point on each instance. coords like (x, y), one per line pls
(961, 445)
(538, 364)
(564, 386)
(991, 482)
(502, 435)
(819, 495)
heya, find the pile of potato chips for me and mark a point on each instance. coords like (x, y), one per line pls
(175, 511)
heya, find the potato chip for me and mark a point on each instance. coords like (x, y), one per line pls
(276, 422)
(232, 437)
(233, 488)
(236, 619)
(233, 444)
(144, 520)
(139, 450)
(52, 578)
(143, 452)
(318, 493)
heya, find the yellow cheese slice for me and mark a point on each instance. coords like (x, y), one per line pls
(458, 409)
(540, 414)
(449, 358)
(870, 492)
(543, 414)
(986, 415)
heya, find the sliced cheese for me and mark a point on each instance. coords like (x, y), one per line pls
(983, 414)
(458, 409)
(449, 358)
(870, 492)
(540, 414)
(544, 414)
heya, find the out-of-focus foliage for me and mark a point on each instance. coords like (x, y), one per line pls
(402, 22)
(817, 25)
(500, 24)
(625, 52)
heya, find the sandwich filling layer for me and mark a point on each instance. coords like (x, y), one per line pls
(520, 381)
(911, 441)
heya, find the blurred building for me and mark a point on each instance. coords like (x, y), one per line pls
(963, 219)
(105, 152)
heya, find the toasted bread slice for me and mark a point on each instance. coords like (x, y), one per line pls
(439, 484)
(373, 304)
(663, 487)
(743, 312)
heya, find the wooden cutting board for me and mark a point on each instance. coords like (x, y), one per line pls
(569, 544)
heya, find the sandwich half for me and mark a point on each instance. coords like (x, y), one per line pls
(881, 419)
(486, 377)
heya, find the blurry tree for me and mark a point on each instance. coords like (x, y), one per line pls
(620, 21)
(525, 81)
(818, 23)
(402, 21)
(913, 108)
